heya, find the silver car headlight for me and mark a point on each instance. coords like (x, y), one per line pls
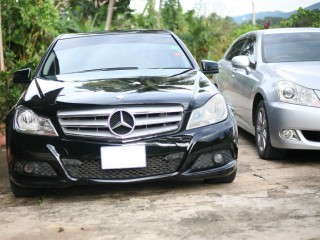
(215, 110)
(26, 121)
(296, 94)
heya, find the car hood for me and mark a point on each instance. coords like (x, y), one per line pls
(189, 88)
(304, 73)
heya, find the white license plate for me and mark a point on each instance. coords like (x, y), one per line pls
(119, 157)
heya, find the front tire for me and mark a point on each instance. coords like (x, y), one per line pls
(227, 179)
(24, 192)
(262, 135)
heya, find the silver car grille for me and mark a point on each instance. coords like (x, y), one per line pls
(125, 123)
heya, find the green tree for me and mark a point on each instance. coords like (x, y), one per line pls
(303, 18)
(148, 19)
(172, 15)
(273, 21)
(207, 37)
(244, 28)
(2, 66)
(28, 28)
(90, 15)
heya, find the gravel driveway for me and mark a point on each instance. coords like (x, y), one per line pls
(268, 200)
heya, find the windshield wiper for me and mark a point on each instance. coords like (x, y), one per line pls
(106, 69)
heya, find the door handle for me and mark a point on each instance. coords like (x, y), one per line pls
(233, 72)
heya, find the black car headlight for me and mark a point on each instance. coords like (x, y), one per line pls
(26, 121)
(215, 110)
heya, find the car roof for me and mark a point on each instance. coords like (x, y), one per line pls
(120, 32)
(290, 30)
(284, 30)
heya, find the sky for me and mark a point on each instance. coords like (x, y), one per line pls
(234, 7)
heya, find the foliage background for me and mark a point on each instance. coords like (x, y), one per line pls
(28, 27)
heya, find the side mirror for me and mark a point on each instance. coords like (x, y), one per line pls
(209, 67)
(22, 76)
(241, 62)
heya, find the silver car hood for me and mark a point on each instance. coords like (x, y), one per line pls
(306, 74)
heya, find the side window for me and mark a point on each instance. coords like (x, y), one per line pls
(236, 49)
(52, 65)
(249, 48)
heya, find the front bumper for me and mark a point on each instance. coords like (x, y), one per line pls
(46, 162)
(302, 119)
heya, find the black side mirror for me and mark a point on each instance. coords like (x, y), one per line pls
(209, 67)
(22, 76)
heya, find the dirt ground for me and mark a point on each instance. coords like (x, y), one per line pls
(268, 200)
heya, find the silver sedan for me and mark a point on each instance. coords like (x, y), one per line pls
(272, 79)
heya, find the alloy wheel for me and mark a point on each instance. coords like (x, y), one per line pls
(262, 131)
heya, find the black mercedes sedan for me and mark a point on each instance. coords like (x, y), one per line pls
(119, 107)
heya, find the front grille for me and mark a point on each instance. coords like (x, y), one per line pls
(157, 165)
(94, 123)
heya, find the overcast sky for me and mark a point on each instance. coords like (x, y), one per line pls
(234, 7)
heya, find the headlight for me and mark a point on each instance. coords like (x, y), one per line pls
(26, 121)
(215, 110)
(293, 93)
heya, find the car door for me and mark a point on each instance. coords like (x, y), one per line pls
(225, 79)
(243, 82)
(236, 84)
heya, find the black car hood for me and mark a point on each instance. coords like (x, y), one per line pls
(187, 87)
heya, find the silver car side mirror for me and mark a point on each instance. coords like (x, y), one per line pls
(241, 62)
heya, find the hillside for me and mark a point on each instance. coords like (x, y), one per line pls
(275, 14)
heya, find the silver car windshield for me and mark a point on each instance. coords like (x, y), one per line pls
(115, 52)
(291, 47)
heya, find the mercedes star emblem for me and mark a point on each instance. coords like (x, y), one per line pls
(121, 123)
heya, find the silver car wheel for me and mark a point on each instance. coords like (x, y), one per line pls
(262, 131)
(262, 135)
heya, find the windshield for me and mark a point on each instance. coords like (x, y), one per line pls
(115, 52)
(291, 47)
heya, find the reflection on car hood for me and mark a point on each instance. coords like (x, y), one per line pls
(304, 73)
(187, 87)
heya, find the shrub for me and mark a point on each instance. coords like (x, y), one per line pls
(9, 94)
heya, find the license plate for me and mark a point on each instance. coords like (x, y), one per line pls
(119, 157)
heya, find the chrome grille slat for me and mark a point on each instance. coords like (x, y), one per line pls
(84, 123)
(156, 109)
(150, 131)
(146, 121)
(133, 110)
(93, 123)
(107, 134)
(84, 133)
(85, 113)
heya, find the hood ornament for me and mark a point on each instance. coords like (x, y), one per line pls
(121, 123)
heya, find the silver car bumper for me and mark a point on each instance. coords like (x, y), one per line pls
(304, 120)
